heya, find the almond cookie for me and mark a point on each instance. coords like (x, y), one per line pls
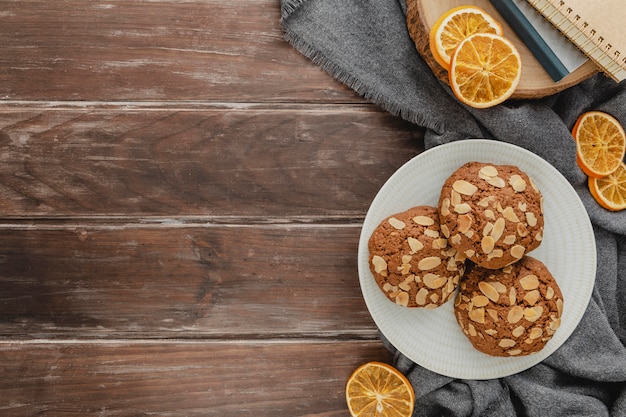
(513, 311)
(491, 213)
(412, 262)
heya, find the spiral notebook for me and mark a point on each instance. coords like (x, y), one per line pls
(595, 27)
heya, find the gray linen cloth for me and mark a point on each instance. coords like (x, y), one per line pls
(365, 44)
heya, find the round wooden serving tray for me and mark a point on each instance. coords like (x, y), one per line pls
(535, 82)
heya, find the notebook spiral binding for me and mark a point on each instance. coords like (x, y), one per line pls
(585, 37)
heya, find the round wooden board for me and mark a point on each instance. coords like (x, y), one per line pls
(535, 82)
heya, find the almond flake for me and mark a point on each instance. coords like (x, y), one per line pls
(510, 215)
(420, 297)
(531, 219)
(445, 230)
(493, 314)
(498, 229)
(491, 332)
(518, 183)
(489, 171)
(462, 208)
(535, 333)
(549, 293)
(396, 224)
(514, 352)
(402, 299)
(464, 187)
(489, 291)
(477, 315)
(445, 207)
(515, 314)
(455, 239)
(380, 265)
(529, 282)
(429, 263)
(496, 182)
(455, 197)
(480, 301)
(517, 251)
(423, 220)
(415, 244)
(518, 331)
(506, 343)
(431, 233)
(433, 281)
(533, 314)
(512, 296)
(509, 240)
(485, 201)
(532, 297)
(487, 244)
(496, 253)
(470, 252)
(464, 223)
(522, 231)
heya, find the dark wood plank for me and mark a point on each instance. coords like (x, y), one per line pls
(215, 50)
(307, 161)
(273, 379)
(212, 281)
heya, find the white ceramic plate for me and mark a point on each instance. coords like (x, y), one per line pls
(432, 338)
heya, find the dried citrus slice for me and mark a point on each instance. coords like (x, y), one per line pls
(600, 143)
(485, 70)
(454, 26)
(380, 390)
(610, 191)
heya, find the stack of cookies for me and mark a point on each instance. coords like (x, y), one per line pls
(475, 245)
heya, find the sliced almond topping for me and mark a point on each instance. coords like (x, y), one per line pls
(380, 265)
(512, 296)
(440, 243)
(431, 233)
(455, 197)
(518, 331)
(420, 297)
(472, 330)
(480, 301)
(434, 297)
(444, 210)
(549, 293)
(415, 244)
(464, 223)
(493, 314)
(509, 240)
(531, 219)
(491, 332)
(507, 269)
(455, 239)
(535, 333)
(539, 237)
(515, 314)
(470, 252)
(555, 324)
(489, 171)
(521, 206)
(404, 269)
(496, 253)
(532, 297)
(402, 299)
(396, 224)
(498, 229)
(514, 352)
(487, 244)
(464, 187)
(517, 251)
(434, 281)
(522, 231)
(510, 215)
(506, 343)
(559, 307)
(429, 263)
(423, 220)
(518, 183)
(489, 291)
(477, 315)
(388, 287)
(533, 313)
(446, 231)
(485, 201)
(462, 208)
(529, 282)
(488, 229)
(496, 182)
(500, 287)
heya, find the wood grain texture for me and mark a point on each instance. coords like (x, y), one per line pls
(155, 50)
(181, 198)
(191, 281)
(275, 378)
(221, 162)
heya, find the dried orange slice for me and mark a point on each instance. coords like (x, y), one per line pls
(379, 390)
(600, 143)
(485, 70)
(454, 26)
(610, 191)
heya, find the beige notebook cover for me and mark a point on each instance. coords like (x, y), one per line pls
(596, 27)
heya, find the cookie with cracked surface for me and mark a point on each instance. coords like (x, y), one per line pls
(411, 261)
(491, 213)
(513, 311)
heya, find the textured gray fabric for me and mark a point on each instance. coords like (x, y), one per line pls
(365, 44)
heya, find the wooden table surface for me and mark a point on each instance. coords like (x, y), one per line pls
(182, 195)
